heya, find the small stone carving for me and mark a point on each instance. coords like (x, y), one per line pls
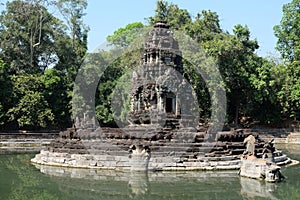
(269, 147)
(139, 157)
(250, 141)
(268, 150)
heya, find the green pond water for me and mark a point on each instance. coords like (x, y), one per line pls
(20, 179)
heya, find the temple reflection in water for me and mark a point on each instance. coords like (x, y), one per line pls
(150, 185)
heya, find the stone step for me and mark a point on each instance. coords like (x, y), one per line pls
(284, 162)
(182, 148)
(18, 149)
(237, 151)
(279, 159)
(69, 151)
(25, 143)
(4, 136)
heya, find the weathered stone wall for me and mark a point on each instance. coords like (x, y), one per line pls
(109, 149)
(25, 142)
(293, 138)
(116, 162)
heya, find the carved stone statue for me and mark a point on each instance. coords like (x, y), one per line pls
(250, 141)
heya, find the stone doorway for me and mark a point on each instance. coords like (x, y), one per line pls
(170, 105)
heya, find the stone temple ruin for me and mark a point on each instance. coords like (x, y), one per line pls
(163, 133)
(158, 88)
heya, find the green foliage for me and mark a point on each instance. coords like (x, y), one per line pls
(5, 92)
(114, 86)
(33, 101)
(176, 17)
(56, 94)
(31, 109)
(125, 36)
(288, 32)
(73, 47)
(27, 36)
(289, 94)
(205, 26)
(234, 54)
(41, 56)
(288, 45)
(243, 34)
(265, 82)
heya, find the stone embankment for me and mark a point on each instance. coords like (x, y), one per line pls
(280, 136)
(188, 150)
(293, 138)
(25, 142)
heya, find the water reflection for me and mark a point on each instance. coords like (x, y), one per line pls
(290, 149)
(137, 182)
(143, 185)
(19, 179)
(106, 184)
(252, 189)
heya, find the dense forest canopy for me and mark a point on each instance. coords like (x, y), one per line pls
(41, 53)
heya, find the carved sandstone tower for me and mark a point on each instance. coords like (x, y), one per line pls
(159, 92)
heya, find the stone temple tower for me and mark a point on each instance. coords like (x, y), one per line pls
(159, 89)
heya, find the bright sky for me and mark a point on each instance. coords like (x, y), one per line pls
(104, 17)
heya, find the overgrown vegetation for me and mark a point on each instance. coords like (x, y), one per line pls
(40, 55)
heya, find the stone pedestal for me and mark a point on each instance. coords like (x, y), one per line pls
(252, 167)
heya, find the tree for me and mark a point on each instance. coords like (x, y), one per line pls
(123, 37)
(113, 86)
(5, 92)
(73, 48)
(176, 17)
(289, 94)
(27, 34)
(31, 110)
(235, 57)
(288, 32)
(288, 44)
(266, 81)
(205, 26)
(42, 55)
(73, 12)
(55, 92)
